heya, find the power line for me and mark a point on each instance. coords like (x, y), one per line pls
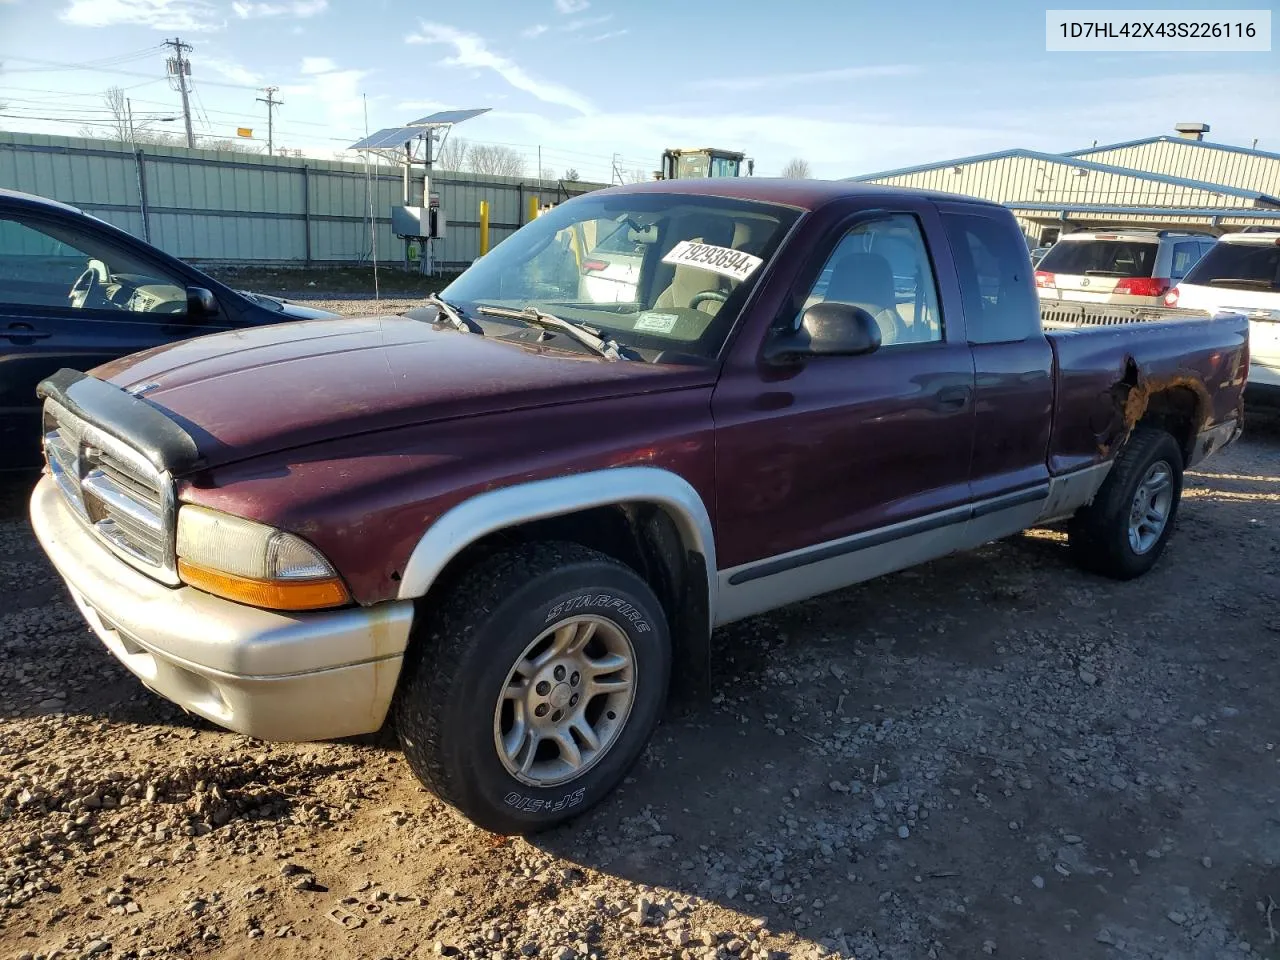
(91, 121)
(52, 66)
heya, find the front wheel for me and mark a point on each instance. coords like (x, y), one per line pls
(534, 686)
(1122, 533)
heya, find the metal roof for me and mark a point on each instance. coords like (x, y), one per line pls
(1225, 213)
(1166, 138)
(1069, 161)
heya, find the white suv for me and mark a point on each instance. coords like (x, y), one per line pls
(1241, 274)
(1125, 267)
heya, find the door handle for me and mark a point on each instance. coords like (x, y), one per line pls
(23, 333)
(953, 398)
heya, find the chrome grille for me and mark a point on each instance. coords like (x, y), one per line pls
(114, 490)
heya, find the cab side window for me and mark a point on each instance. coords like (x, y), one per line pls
(883, 267)
(996, 285)
(53, 264)
(36, 270)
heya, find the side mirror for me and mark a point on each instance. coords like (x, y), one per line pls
(201, 303)
(830, 329)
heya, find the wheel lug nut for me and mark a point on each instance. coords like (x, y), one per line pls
(573, 680)
(555, 717)
(573, 701)
(543, 688)
(560, 671)
(540, 710)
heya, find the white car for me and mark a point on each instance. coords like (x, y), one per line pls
(1241, 274)
(1126, 267)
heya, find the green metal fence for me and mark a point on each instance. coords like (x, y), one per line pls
(210, 206)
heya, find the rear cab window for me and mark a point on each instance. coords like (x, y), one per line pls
(1098, 257)
(996, 286)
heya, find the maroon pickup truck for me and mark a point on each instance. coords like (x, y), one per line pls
(509, 520)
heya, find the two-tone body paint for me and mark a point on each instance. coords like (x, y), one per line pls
(360, 435)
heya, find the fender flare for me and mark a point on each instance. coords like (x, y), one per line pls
(519, 503)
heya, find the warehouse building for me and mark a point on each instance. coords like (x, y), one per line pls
(1165, 183)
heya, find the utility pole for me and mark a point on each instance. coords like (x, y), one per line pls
(271, 102)
(180, 69)
(128, 103)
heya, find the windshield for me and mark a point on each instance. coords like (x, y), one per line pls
(1252, 265)
(657, 272)
(1115, 258)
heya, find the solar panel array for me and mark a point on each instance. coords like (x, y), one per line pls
(398, 136)
(445, 117)
(388, 138)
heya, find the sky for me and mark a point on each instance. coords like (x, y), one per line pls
(851, 87)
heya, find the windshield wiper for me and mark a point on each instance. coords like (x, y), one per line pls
(450, 313)
(1242, 282)
(585, 335)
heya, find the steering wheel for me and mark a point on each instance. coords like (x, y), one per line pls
(89, 284)
(715, 296)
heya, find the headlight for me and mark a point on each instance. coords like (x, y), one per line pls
(252, 563)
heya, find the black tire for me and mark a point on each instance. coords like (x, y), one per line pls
(461, 657)
(1099, 533)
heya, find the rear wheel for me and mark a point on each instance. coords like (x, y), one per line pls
(1123, 532)
(534, 685)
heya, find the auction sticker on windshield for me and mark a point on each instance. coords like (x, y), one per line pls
(722, 260)
(651, 322)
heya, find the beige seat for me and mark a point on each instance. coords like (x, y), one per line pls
(686, 281)
(866, 280)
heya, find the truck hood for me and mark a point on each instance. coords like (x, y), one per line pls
(263, 389)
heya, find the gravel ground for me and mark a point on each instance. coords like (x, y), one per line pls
(994, 754)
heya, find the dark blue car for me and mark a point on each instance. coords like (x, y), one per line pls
(77, 292)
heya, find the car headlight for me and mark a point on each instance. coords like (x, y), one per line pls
(253, 563)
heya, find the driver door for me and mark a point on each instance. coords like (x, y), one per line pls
(40, 330)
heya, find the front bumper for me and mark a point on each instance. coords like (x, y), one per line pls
(275, 676)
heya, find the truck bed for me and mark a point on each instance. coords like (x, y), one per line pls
(1106, 376)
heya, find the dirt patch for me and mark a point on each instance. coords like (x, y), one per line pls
(994, 754)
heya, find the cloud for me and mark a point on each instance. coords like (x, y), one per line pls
(576, 25)
(191, 15)
(573, 26)
(232, 71)
(774, 81)
(572, 6)
(336, 91)
(294, 8)
(311, 65)
(472, 51)
(608, 36)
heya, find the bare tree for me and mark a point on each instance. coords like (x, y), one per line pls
(797, 169)
(571, 175)
(452, 155)
(548, 173)
(117, 126)
(495, 160)
(636, 175)
(229, 144)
